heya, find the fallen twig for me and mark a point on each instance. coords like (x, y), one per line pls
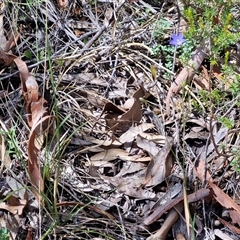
(194, 197)
(171, 218)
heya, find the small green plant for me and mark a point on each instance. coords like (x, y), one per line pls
(4, 234)
(235, 85)
(226, 122)
(161, 28)
(11, 142)
(211, 99)
(235, 163)
(212, 23)
(175, 45)
(28, 54)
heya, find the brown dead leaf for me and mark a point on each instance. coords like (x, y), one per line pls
(134, 131)
(111, 154)
(226, 202)
(108, 16)
(160, 166)
(24, 75)
(202, 173)
(156, 138)
(134, 114)
(172, 192)
(130, 168)
(105, 143)
(37, 115)
(235, 216)
(14, 205)
(147, 145)
(229, 225)
(131, 186)
(39, 110)
(29, 234)
(115, 153)
(120, 120)
(6, 59)
(218, 194)
(129, 181)
(33, 168)
(217, 73)
(93, 98)
(203, 81)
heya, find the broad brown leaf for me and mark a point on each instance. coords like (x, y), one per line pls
(38, 117)
(14, 205)
(33, 168)
(160, 166)
(226, 202)
(120, 120)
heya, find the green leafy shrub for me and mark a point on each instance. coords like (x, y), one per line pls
(4, 234)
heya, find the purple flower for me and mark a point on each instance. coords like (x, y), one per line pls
(177, 39)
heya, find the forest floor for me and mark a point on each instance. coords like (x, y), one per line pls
(119, 119)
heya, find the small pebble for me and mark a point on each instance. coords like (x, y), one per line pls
(217, 223)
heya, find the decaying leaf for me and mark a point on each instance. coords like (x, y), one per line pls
(160, 166)
(118, 119)
(202, 173)
(14, 205)
(131, 186)
(37, 114)
(148, 146)
(204, 80)
(134, 131)
(102, 158)
(17, 187)
(112, 154)
(226, 202)
(158, 139)
(93, 98)
(218, 194)
(229, 225)
(33, 168)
